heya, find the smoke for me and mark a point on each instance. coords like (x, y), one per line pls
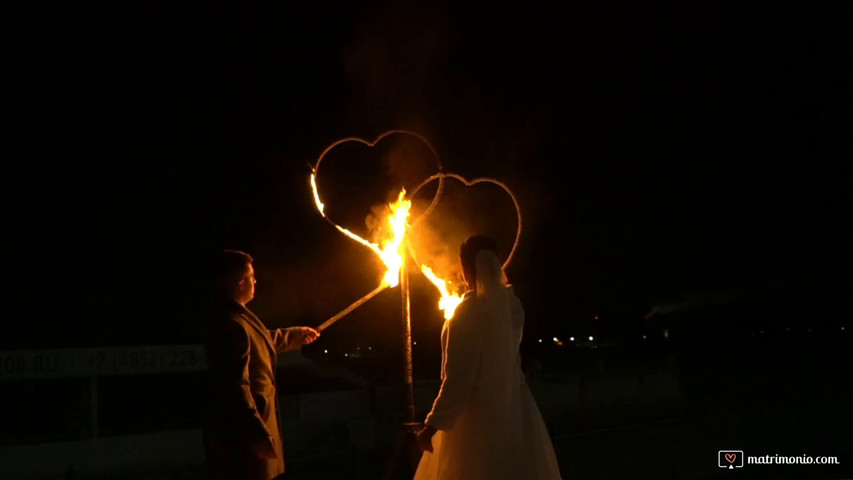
(462, 211)
(436, 245)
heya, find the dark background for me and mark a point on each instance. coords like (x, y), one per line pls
(682, 172)
(664, 155)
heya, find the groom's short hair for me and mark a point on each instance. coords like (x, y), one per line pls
(229, 265)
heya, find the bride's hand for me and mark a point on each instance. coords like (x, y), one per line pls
(264, 448)
(424, 439)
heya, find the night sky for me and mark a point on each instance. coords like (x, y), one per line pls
(659, 153)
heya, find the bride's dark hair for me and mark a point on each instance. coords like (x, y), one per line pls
(470, 247)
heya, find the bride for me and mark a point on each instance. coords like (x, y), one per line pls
(484, 423)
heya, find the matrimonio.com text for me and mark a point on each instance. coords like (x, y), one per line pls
(792, 460)
(732, 459)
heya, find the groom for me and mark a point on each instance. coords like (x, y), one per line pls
(242, 436)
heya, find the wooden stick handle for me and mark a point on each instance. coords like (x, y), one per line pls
(352, 307)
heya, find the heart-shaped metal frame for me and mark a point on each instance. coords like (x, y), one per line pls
(316, 168)
(470, 183)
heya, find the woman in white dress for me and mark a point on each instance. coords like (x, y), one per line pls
(484, 423)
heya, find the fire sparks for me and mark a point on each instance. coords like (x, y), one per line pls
(449, 301)
(391, 250)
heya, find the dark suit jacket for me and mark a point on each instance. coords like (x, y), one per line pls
(243, 403)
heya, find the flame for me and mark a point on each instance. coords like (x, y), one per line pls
(391, 251)
(320, 205)
(449, 301)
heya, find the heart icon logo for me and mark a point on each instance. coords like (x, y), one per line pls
(464, 207)
(731, 457)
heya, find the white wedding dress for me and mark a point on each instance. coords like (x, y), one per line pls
(489, 426)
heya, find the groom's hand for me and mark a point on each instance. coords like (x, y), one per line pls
(306, 335)
(424, 439)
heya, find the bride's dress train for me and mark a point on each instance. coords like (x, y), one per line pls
(463, 453)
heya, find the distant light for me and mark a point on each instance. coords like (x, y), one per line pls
(370, 348)
(540, 340)
(325, 351)
(346, 354)
(666, 333)
(842, 329)
(596, 317)
(416, 343)
(571, 339)
(644, 337)
(590, 338)
(810, 330)
(556, 339)
(358, 348)
(787, 329)
(762, 332)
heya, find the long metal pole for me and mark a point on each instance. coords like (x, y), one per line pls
(407, 340)
(406, 454)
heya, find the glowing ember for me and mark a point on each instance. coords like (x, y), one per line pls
(449, 301)
(390, 252)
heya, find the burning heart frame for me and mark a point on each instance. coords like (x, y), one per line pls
(389, 253)
(315, 169)
(441, 177)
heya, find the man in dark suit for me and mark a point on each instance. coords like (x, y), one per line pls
(242, 436)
